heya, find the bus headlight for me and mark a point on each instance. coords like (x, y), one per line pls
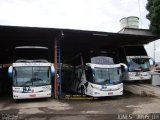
(16, 91)
(96, 87)
(120, 85)
(10, 71)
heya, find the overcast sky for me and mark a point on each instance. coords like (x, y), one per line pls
(98, 15)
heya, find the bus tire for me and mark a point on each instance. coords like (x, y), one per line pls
(15, 101)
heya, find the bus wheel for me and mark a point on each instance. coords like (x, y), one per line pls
(16, 101)
(82, 90)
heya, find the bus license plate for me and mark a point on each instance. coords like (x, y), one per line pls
(32, 95)
(110, 93)
(141, 77)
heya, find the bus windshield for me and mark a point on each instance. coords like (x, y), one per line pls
(31, 76)
(138, 64)
(107, 75)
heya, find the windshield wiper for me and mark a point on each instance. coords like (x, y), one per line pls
(106, 80)
(36, 79)
(33, 80)
(117, 82)
(27, 82)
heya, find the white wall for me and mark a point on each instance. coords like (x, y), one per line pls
(150, 50)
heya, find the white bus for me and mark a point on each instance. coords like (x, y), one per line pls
(99, 78)
(138, 62)
(31, 78)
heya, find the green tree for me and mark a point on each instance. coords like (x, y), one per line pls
(153, 7)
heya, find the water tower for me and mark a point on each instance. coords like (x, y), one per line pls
(129, 22)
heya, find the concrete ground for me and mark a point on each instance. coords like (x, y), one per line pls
(122, 107)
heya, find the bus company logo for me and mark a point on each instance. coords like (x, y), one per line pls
(17, 88)
(27, 89)
(104, 87)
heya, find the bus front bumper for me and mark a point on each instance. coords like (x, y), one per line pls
(100, 93)
(31, 95)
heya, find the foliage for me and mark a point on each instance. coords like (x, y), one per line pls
(153, 6)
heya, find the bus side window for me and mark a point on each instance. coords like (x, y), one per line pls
(89, 75)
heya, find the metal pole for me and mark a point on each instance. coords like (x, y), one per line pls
(140, 14)
(154, 50)
(55, 66)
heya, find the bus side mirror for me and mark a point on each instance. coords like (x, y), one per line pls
(10, 71)
(52, 71)
(128, 61)
(152, 61)
(124, 67)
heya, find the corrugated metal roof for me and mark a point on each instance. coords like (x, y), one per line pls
(72, 42)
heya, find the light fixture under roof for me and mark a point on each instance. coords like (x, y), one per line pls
(99, 34)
